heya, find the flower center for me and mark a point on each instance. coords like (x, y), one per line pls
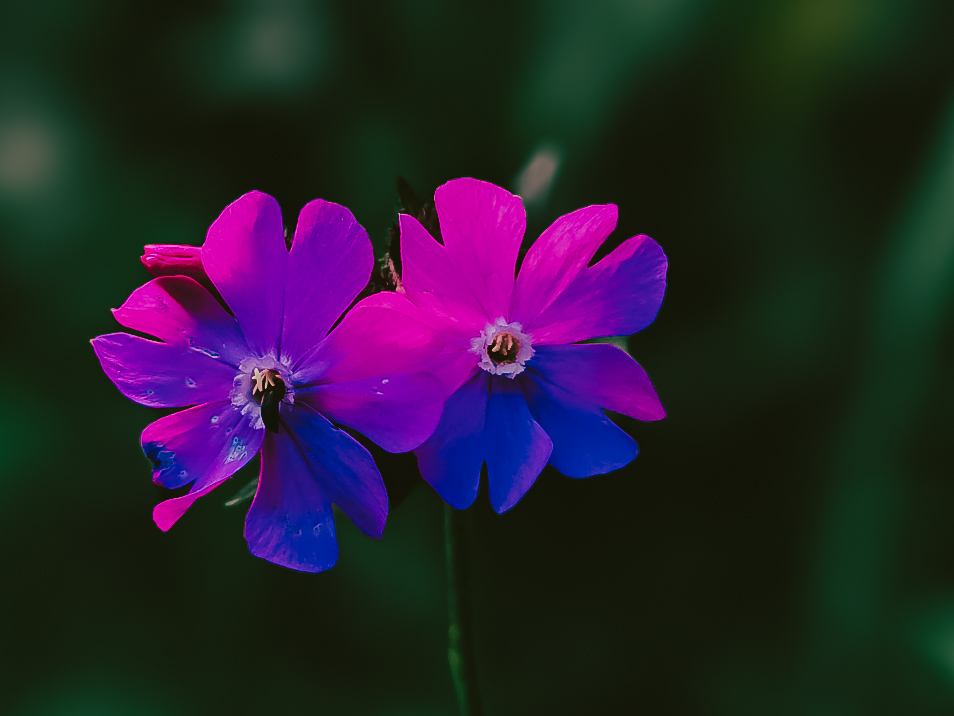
(502, 348)
(260, 388)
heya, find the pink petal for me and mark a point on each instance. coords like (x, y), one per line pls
(397, 411)
(618, 296)
(244, 255)
(482, 226)
(434, 282)
(558, 257)
(370, 342)
(180, 311)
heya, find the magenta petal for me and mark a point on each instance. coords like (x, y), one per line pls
(244, 255)
(517, 448)
(180, 311)
(290, 521)
(558, 257)
(209, 442)
(162, 375)
(482, 226)
(368, 343)
(397, 411)
(600, 374)
(435, 283)
(330, 262)
(618, 296)
(456, 364)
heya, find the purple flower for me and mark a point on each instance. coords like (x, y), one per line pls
(525, 392)
(272, 377)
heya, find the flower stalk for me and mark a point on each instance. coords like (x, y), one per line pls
(458, 540)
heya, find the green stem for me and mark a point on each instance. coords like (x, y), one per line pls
(458, 539)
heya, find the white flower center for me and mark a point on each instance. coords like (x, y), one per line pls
(254, 375)
(502, 348)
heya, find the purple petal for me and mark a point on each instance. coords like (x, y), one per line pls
(451, 459)
(290, 521)
(331, 260)
(517, 448)
(209, 443)
(368, 343)
(482, 226)
(180, 311)
(162, 375)
(244, 255)
(397, 411)
(585, 442)
(600, 374)
(618, 296)
(434, 282)
(558, 257)
(344, 469)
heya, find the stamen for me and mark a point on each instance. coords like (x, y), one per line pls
(504, 349)
(269, 389)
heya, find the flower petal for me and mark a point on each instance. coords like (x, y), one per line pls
(585, 442)
(244, 255)
(434, 282)
(180, 311)
(516, 447)
(184, 446)
(162, 375)
(290, 521)
(451, 459)
(618, 296)
(397, 411)
(482, 226)
(343, 467)
(209, 443)
(368, 343)
(330, 262)
(456, 364)
(558, 257)
(601, 374)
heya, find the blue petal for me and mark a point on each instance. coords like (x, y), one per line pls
(450, 460)
(290, 521)
(517, 448)
(585, 442)
(306, 467)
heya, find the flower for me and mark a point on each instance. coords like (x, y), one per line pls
(525, 392)
(271, 376)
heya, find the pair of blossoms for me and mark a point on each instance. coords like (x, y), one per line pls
(464, 364)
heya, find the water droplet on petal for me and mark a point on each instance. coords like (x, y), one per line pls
(190, 382)
(215, 419)
(385, 381)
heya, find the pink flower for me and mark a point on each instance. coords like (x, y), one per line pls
(272, 375)
(525, 392)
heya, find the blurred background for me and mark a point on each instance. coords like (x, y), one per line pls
(782, 545)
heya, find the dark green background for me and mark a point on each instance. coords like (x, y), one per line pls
(784, 542)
